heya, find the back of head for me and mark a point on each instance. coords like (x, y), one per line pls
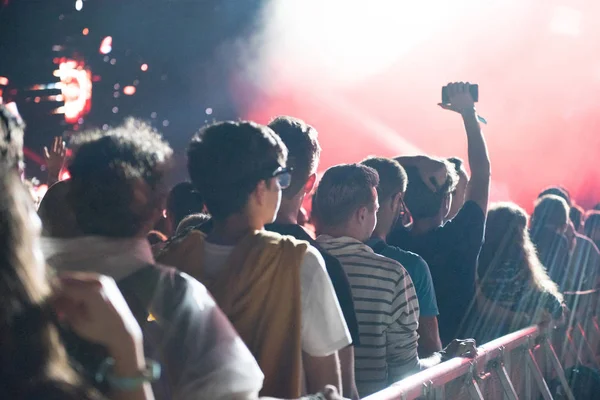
(392, 177)
(505, 235)
(11, 139)
(183, 200)
(117, 187)
(420, 200)
(56, 213)
(227, 160)
(557, 191)
(507, 241)
(576, 216)
(592, 225)
(343, 190)
(550, 212)
(303, 150)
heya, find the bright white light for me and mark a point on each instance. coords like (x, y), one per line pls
(79, 5)
(342, 41)
(566, 21)
(208, 111)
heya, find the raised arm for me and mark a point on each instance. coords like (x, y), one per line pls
(479, 161)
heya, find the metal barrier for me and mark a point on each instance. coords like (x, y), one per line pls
(516, 366)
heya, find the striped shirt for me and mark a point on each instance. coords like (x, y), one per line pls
(387, 310)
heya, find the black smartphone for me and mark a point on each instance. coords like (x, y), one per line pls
(473, 89)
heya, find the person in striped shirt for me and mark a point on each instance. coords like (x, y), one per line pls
(345, 212)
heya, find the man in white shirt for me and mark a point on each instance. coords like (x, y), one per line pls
(116, 193)
(239, 169)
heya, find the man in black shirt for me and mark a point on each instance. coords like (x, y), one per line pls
(450, 249)
(303, 156)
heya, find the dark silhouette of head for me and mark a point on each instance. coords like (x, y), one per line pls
(551, 212)
(117, 186)
(303, 150)
(557, 191)
(576, 216)
(228, 160)
(592, 226)
(424, 203)
(183, 200)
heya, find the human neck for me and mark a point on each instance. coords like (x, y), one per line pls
(231, 230)
(379, 233)
(424, 225)
(339, 231)
(289, 209)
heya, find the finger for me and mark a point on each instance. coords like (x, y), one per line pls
(55, 145)
(46, 153)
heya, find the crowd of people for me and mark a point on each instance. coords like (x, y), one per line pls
(225, 287)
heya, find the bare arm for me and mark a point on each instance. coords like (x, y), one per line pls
(347, 367)
(479, 161)
(321, 371)
(429, 336)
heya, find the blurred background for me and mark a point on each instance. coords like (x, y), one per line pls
(367, 75)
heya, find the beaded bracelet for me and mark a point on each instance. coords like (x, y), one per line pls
(105, 374)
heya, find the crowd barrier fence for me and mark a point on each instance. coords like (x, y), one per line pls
(526, 364)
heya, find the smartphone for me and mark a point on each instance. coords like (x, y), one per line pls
(473, 89)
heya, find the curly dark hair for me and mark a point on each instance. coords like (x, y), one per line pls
(228, 159)
(303, 147)
(106, 172)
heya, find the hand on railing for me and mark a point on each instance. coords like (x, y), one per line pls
(460, 348)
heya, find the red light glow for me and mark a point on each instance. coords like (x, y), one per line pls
(85, 31)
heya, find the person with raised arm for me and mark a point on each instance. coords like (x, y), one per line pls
(451, 248)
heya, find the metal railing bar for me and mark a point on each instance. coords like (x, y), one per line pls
(559, 369)
(534, 368)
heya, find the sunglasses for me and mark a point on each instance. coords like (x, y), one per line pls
(284, 177)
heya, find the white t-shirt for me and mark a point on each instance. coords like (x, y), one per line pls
(324, 329)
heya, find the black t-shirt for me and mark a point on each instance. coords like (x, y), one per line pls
(451, 252)
(336, 273)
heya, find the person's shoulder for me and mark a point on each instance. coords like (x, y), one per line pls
(586, 242)
(469, 212)
(406, 258)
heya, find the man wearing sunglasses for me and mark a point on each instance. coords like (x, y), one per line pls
(273, 288)
(390, 191)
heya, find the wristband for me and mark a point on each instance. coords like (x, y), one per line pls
(105, 374)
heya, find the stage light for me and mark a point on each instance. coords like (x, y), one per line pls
(3, 80)
(85, 31)
(78, 5)
(144, 67)
(106, 46)
(129, 90)
(76, 89)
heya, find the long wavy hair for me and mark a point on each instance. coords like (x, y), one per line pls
(32, 358)
(507, 241)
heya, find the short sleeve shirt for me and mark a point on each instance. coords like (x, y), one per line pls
(451, 251)
(336, 273)
(418, 270)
